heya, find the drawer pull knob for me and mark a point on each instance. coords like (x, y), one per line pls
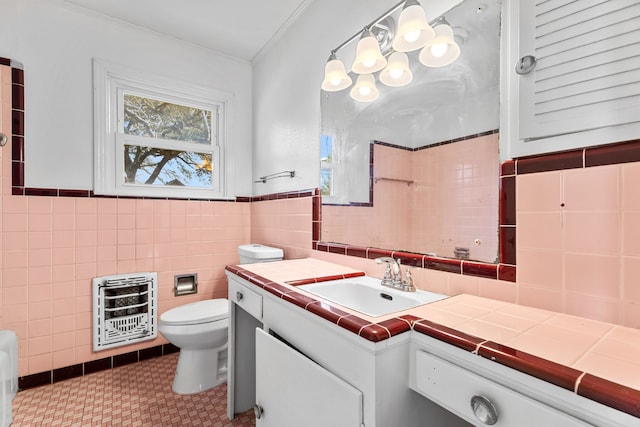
(526, 64)
(484, 410)
(239, 296)
(258, 411)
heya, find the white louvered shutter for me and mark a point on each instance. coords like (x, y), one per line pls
(588, 65)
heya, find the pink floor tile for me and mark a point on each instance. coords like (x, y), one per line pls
(133, 395)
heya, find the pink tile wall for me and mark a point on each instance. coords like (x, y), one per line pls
(456, 198)
(385, 224)
(283, 223)
(53, 247)
(577, 242)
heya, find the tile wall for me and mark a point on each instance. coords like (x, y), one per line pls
(579, 241)
(285, 223)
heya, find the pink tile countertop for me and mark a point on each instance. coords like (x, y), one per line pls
(597, 360)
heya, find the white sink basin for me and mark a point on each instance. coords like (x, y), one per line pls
(365, 295)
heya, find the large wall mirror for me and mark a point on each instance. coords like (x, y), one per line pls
(418, 169)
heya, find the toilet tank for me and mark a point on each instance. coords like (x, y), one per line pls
(253, 253)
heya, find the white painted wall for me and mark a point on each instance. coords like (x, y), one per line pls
(286, 82)
(56, 43)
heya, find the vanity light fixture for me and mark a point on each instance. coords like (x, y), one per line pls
(413, 32)
(365, 89)
(441, 50)
(369, 58)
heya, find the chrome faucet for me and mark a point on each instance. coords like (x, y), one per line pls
(393, 277)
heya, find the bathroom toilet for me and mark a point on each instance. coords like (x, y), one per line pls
(200, 330)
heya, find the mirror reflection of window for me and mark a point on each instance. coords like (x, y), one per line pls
(326, 165)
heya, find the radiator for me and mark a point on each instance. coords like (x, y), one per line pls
(125, 309)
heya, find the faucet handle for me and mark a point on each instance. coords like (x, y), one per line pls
(407, 282)
(407, 277)
(388, 278)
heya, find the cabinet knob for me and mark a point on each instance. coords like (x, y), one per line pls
(484, 410)
(239, 296)
(526, 64)
(258, 411)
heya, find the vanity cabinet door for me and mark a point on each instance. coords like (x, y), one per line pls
(585, 78)
(587, 65)
(293, 391)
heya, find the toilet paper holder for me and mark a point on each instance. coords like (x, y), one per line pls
(185, 284)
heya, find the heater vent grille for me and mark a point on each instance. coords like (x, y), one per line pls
(124, 309)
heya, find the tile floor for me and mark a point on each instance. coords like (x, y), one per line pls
(129, 396)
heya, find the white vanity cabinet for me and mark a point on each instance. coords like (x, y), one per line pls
(487, 393)
(311, 372)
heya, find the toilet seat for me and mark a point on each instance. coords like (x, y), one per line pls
(197, 312)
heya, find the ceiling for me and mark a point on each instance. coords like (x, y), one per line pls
(235, 28)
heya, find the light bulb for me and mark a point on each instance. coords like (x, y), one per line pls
(396, 73)
(439, 49)
(335, 82)
(368, 63)
(411, 36)
(364, 91)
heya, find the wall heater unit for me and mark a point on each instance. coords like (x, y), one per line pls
(125, 309)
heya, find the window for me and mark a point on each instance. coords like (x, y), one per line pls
(157, 138)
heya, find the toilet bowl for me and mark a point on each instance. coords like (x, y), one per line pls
(200, 330)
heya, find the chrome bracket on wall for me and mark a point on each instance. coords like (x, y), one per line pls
(3, 139)
(283, 174)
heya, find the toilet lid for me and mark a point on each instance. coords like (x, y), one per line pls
(197, 312)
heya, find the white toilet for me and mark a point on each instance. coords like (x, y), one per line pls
(200, 329)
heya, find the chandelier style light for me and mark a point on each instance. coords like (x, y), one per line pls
(437, 46)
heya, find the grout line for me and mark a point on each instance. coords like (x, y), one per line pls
(575, 389)
(477, 350)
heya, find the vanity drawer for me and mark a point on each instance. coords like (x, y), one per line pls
(246, 298)
(459, 390)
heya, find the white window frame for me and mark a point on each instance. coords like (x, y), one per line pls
(111, 82)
